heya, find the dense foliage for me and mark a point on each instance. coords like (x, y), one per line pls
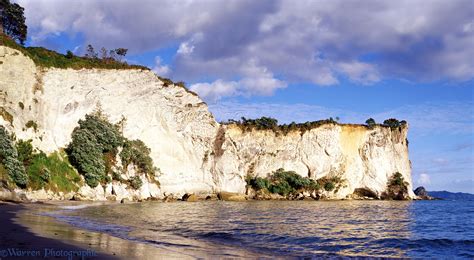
(12, 21)
(397, 188)
(370, 122)
(138, 153)
(393, 123)
(10, 161)
(95, 144)
(135, 182)
(283, 182)
(268, 123)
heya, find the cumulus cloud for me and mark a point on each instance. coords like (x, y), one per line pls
(256, 80)
(424, 179)
(159, 68)
(300, 41)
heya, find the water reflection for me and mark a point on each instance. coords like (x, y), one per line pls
(297, 228)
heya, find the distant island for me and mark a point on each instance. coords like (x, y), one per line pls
(446, 195)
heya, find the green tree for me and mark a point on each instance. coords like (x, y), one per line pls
(9, 158)
(12, 22)
(392, 123)
(370, 122)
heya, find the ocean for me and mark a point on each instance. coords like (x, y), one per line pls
(413, 229)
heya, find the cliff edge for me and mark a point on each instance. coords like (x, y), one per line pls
(193, 152)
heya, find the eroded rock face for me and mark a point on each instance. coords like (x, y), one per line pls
(364, 158)
(193, 152)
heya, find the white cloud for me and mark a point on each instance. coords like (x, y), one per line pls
(257, 80)
(360, 72)
(159, 68)
(215, 90)
(424, 179)
(302, 41)
(185, 48)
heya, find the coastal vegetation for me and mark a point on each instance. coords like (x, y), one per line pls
(289, 184)
(95, 145)
(9, 160)
(47, 58)
(397, 188)
(269, 123)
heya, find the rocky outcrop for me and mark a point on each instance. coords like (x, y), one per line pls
(193, 152)
(422, 194)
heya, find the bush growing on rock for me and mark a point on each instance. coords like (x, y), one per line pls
(9, 158)
(370, 122)
(138, 153)
(283, 182)
(397, 188)
(135, 182)
(86, 155)
(94, 146)
(268, 123)
(25, 151)
(392, 123)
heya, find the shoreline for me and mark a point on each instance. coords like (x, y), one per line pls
(26, 230)
(17, 240)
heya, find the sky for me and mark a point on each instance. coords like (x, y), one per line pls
(300, 61)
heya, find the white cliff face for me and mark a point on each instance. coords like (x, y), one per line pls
(193, 152)
(364, 158)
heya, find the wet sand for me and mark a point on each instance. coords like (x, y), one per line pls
(16, 239)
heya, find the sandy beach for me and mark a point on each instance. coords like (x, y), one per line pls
(18, 241)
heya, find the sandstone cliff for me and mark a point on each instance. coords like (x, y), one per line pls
(194, 153)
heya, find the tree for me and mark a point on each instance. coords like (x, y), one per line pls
(370, 122)
(12, 22)
(90, 52)
(392, 123)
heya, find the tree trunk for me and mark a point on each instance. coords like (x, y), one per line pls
(1, 21)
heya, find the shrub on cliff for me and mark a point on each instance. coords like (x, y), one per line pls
(397, 188)
(392, 123)
(283, 182)
(94, 137)
(268, 123)
(86, 155)
(107, 136)
(370, 122)
(94, 146)
(138, 153)
(25, 151)
(135, 182)
(9, 159)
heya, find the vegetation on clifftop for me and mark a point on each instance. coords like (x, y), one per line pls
(47, 58)
(269, 123)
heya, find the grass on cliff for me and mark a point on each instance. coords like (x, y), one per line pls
(53, 172)
(47, 58)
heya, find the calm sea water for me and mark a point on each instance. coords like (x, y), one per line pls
(295, 228)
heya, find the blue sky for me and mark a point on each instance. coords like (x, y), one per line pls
(301, 60)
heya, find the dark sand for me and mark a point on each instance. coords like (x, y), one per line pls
(15, 237)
